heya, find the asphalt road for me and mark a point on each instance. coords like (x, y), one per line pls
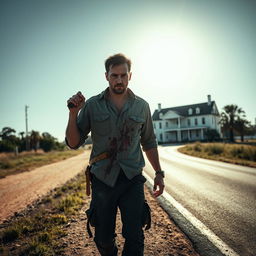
(222, 196)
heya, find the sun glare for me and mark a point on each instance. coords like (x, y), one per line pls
(166, 59)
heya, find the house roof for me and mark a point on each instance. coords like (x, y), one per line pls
(205, 109)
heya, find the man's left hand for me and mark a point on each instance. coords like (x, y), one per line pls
(158, 185)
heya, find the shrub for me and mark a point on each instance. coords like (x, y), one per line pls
(244, 152)
(215, 149)
(10, 234)
(198, 147)
(236, 151)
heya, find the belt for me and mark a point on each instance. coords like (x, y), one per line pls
(95, 159)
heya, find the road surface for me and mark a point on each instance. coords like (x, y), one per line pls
(222, 196)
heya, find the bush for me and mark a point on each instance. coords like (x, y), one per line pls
(249, 153)
(7, 146)
(198, 147)
(215, 149)
(244, 152)
(10, 235)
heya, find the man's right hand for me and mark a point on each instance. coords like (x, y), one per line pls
(76, 102)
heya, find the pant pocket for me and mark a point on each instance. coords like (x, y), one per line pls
(91, 219)
(146, 216)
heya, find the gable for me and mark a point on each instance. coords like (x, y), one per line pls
(170, 114)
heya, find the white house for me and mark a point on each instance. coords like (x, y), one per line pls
(186, 123)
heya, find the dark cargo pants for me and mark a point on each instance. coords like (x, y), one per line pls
(128, 196)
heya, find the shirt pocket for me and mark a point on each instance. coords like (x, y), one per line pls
(101, 124)
(135, 124)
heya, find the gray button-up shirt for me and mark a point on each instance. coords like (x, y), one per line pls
(119, 133)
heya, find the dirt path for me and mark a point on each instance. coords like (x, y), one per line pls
(18, 191)
(164, 238)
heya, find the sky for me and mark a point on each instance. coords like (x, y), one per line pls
(181, 51)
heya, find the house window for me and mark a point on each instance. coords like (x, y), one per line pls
(189, 122)
(154, 126)
(160, 125)
(197, 133)
(203, 120)
(197, 110)
(196, 123)
(190, 111)
(161, 137)
(166, 124)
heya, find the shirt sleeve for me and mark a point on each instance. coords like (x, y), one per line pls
(83, 125)
(148, 138)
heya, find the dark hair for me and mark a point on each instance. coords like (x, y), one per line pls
(117, 59)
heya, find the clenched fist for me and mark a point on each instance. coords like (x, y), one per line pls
(76, 102)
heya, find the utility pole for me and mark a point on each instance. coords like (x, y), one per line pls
(26, 119)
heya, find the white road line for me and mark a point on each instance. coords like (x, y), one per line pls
(223, 247)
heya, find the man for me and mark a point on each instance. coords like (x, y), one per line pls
(120, 122)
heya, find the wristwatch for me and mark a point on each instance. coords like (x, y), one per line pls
(160, 172)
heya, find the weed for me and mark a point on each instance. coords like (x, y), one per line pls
(36, 248)
(44, 237)
(58, 219)
(69, 202)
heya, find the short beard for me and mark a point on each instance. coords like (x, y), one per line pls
(119, 91)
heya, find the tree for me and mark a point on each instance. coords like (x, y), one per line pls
(22, 135)
(47, 142)
(228, 118)
(34, 140)
(241, 125)
(8, 141)
(7, 133)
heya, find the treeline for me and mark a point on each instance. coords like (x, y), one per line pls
(234, 123)
(10, 142)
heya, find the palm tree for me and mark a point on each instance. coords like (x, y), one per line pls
(34, 140)
(228, 118)
(22, 135)
(240, 126)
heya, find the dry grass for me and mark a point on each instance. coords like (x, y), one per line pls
(231, 153)
(26, 161)
(38, 232)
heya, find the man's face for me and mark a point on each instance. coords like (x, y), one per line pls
(118, 78)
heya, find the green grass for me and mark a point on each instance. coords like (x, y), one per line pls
(39, 232)
(232, 153)
(11, 164)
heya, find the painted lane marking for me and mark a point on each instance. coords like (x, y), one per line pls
(216, 241)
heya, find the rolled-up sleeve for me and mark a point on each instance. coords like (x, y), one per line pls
(148, 138)
(83, 125)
